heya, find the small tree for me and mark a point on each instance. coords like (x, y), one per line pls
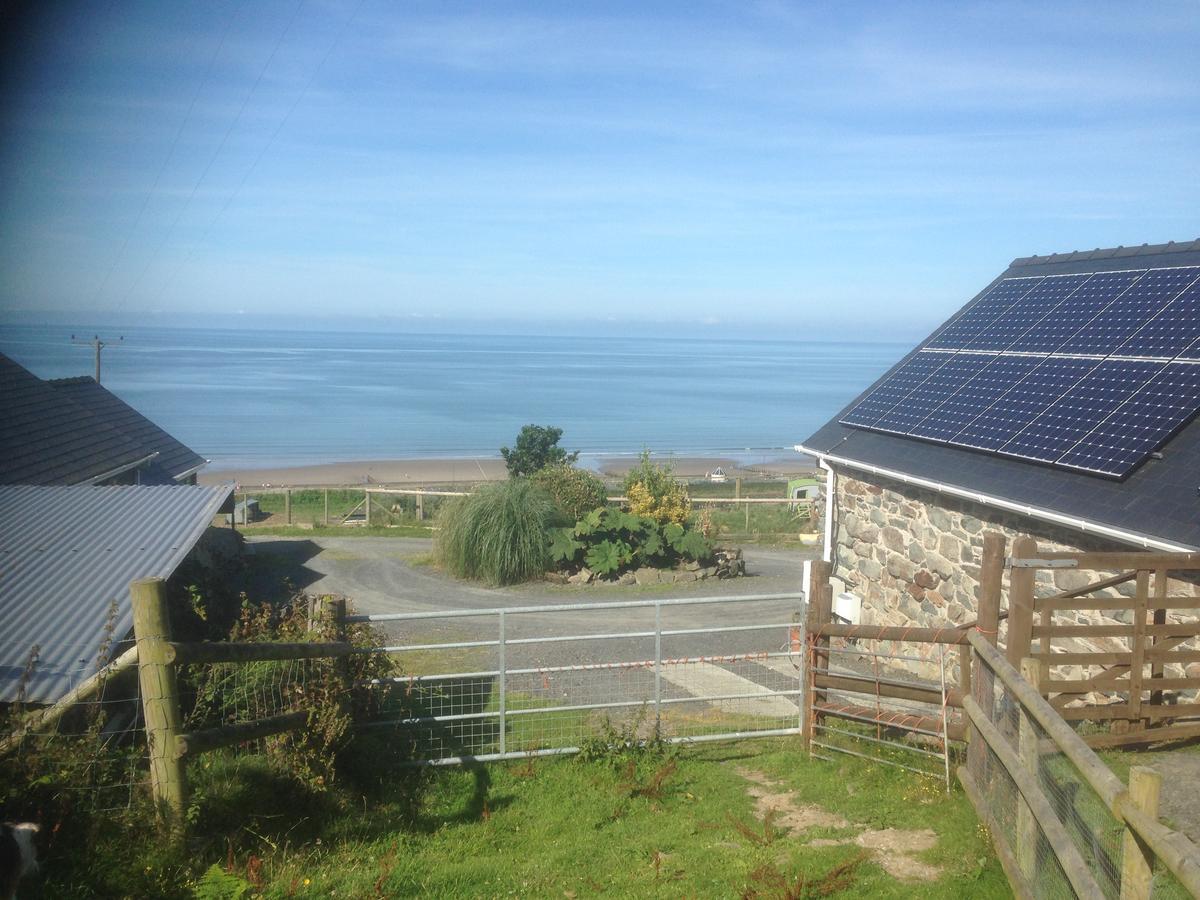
(537, 447)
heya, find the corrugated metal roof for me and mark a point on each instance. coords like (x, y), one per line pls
(68, 553)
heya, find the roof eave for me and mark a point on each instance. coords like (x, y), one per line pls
(1035, 512)
(120, 470)
(188, 473)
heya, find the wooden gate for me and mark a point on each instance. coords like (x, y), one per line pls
(1143, 658)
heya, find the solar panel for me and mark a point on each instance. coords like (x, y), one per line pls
(1088, 371)
(927, 396)
(1023, 402)
(1074, 313)
(1140, 424)
(1171, 331)
(990, 306)
(1129, 312)
(1026, 312)
(977, 395)
(1088, 402)
(896, 387)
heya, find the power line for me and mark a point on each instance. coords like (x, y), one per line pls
(162, 168)
(221, 146)
(263, 151)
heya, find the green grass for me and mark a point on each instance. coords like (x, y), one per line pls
(555, 828)
(543, 828)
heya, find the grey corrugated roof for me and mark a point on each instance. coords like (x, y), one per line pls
(47, 438)
(67, 553)
(174, 458)
(1160, 499)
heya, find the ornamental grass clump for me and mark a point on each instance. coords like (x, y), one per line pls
(500, 534)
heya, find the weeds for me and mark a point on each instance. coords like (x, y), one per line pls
(617, 744)
(651, 787)
(764, 835)
(768, 882)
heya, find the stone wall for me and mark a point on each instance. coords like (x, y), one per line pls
(913, 554)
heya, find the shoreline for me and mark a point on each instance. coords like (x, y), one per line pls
(470, 470)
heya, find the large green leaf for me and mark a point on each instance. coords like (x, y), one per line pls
(693, 545)
(563, 546)
(651, 545)
(673, 533)
(605, 557)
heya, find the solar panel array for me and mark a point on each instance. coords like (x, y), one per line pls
(1088, 371)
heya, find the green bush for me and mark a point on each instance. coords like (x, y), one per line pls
(499, 535)
(609, 540)
(575, 491)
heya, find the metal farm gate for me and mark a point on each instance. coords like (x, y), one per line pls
(488, 684)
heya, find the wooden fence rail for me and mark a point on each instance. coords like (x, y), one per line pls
(1121, 652)
(1147, 841)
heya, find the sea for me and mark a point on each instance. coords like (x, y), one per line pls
(266, 398)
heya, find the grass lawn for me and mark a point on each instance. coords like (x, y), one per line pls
(697, 823)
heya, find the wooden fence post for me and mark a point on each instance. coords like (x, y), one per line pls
(326, 507)
(987, 623)
(420, 507)
(1137, 860)
(367, 504)
(820, 601)
(1020, 603)
(1027, 747)
(287, 505)
(334, 609)
(160, 697)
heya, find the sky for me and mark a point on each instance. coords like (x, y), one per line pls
(807, 169)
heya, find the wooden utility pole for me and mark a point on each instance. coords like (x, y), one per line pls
(96, 344)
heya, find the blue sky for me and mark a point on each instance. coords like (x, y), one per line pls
(786, 168)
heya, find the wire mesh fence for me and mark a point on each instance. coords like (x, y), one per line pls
(539, 680)
(1055, 823)
(88, 755)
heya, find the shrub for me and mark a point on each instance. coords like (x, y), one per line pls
(500, 534)
(653, 491)
(537, 447)
(575, 491)
(609, 540)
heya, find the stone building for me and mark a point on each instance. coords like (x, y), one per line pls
(1058, 403)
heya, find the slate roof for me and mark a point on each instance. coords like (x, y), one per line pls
(1160, 499)
(73, 431)
(47, 438)
(68, 553)
(174, 458)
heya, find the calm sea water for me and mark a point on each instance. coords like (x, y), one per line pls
(264, 398)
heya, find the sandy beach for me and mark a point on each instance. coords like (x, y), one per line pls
(465, 470)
